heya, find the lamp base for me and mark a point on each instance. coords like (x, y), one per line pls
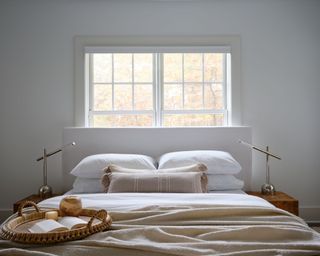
(268, 189)
(45, 191)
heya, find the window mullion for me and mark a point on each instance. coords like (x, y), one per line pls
(125, 83)
(194, 111)
(158, 66)
(132, 74)
(224, 81)
(192, 83)
(122, 112)
(224, 86)
(154, 89)
(112, 78)
(91, 90)
(183, 81)
(202, 80)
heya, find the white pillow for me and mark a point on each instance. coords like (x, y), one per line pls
(217, 162)
(224, 182)
(92, 166)
(86, 185)
(190, 168)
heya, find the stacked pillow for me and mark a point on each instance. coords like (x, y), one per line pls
(221, 166)
(90, 169)
(202, 170)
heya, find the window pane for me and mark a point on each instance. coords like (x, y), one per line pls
(143, 97)
(193, 120)
(213, 96)
(143, 68)
(123, 97)
(193, 67)
(122, 67)
(172, 67)
(213, 67)
(125, 82)
(172, 96)
(102, 68)
(193, 96)
(102, 97)
(122, 120)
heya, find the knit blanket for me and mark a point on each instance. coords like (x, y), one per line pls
(187, 230)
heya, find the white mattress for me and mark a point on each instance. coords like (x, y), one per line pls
(136, 201)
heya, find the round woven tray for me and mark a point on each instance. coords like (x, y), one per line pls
(16, 229)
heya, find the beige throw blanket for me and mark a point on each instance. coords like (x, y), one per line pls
(190, 230)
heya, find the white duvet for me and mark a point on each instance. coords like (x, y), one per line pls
(135, 201)
(184, 225)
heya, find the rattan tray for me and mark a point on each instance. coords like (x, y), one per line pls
(16, 229)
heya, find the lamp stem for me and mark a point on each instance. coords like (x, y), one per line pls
(45, 191)
(45, 178)
(267, 168)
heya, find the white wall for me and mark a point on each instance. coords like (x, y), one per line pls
(280, 79)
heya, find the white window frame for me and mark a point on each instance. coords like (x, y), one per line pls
(85, 44)
(89, 111)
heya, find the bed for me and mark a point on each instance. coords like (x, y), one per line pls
(220, 223)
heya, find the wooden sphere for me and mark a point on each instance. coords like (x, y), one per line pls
(70, 206)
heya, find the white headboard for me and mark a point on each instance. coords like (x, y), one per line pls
(154, 142)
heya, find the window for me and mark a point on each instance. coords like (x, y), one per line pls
(194, 89)
(121, 89)
(157, 88)
(132, 81)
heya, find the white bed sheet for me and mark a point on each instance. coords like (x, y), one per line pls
(235, 191)
(138, 201)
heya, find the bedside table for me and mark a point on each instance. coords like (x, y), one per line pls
(34, 198)
(280, 200)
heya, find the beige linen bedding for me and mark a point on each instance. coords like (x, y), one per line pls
(190, 230)
(187, 179)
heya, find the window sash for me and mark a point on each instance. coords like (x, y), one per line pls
(158, 85)
(158, 49)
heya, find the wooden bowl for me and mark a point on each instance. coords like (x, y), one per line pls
(70, 206)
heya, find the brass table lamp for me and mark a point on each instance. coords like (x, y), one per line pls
(45, 190)
(267, 188)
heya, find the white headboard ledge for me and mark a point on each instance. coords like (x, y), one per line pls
(154, 142)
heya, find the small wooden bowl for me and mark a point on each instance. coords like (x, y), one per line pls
(70, 206)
